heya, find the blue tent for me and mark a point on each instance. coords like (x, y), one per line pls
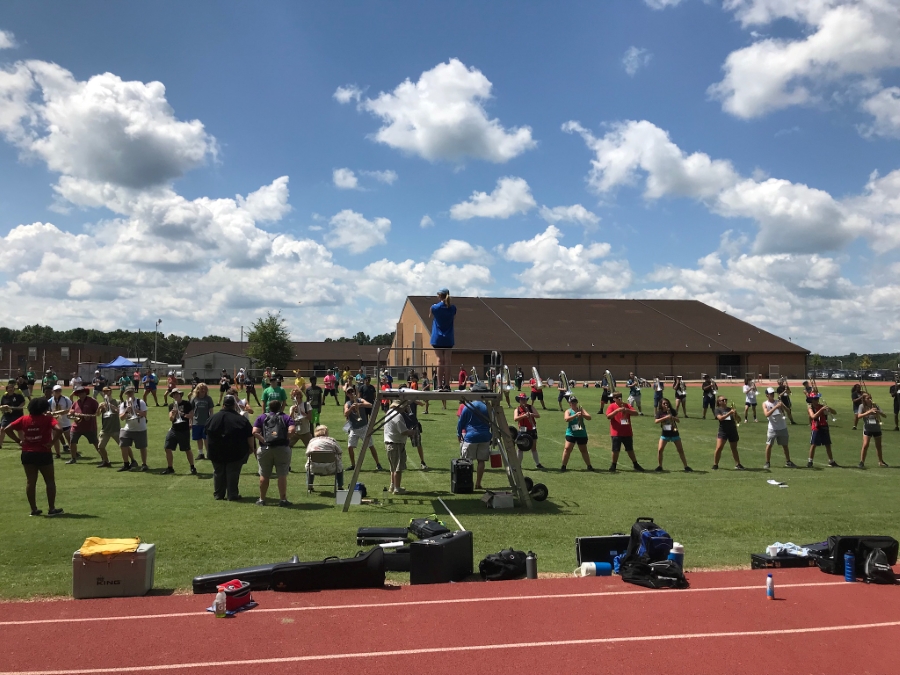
(120, 362)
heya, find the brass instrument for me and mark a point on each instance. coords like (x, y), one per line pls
(610, 382)
(539, 383)
(474, 374)
(564, 380)
(505, 379)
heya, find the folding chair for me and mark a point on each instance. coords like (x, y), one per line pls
(322, 463)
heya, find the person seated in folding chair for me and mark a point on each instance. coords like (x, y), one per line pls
(324, 457)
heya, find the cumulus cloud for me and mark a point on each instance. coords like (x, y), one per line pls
(388, 177)
(845, 42)
(442, 117)
(555, 270)
(569, 214)
(347, 93)
(635, 58)
(458, 251)
(791, 217)
(662, 4)
(511, 196)
(352, 231)
(885, 108)
(344, 179)
(389, 282)
(426, 221)
(7, 40)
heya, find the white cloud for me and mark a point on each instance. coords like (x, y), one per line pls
(569, 214)
(635, 58)
(662, 4)
(790, 216)
(347, 93)
(885, 108)
(389, 283)
(388, 177)
(351, 230)
(442, 117)
(426, 221)
(511, 196)
(7, 40)
(103, 131)
(559, 271)
(457, 251)
(845, 42)
(344, 179)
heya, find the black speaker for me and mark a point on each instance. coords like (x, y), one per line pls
(461, 477)
(447, 557)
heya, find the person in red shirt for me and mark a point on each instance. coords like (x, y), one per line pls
(463, 378)
(330, 382)
(39, 431)
(536, 394)
(821, 434)
(525, 417)
(619, 415)
(84, 424)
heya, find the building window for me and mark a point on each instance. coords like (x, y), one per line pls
(32, 353)
(578, 356)
(64, 353)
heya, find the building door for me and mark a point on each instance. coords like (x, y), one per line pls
(729, 366)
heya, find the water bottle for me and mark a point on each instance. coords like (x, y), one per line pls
(677, 554)
(531, 565)
(590, 569)
(219, 605)
(770, 588)
(849, 566)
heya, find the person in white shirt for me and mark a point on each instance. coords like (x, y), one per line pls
(59, 408)
(750, 393)
(395, 434)
(133, 411)
(778, 431)
(301, 413)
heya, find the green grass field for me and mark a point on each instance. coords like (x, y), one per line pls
(720, 517)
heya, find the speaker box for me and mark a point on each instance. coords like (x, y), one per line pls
(461, 477)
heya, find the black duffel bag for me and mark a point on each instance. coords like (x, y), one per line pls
(832, 560)
(503, 566)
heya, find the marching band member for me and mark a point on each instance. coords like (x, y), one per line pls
(710, 390)
(576, 434)
(620, 429)
(680, 395)
(59, 408)
(658, 387)
(820, 435)
(871, 416)
(634, 392)
(728, 420)
(777, 431)
(750, 393)
(784, 395)
(524, 418)
(133, 411)
(84, 413)
(668, 424)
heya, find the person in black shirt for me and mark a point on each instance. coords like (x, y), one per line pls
(181, 414)
(250, 385)
(11, 404)
(230, 438)
(22, 384)
(728, 420)
(315, 397)
(99, 382)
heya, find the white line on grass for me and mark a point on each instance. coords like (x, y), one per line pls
(418, 603)
(462, 648)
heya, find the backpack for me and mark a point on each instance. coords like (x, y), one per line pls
(648, 540)
(503, 566)
(877, 569)
(645, 560)
(275, 431)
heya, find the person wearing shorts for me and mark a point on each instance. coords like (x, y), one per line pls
(123, 383)
(395, 434)
(536, 393)
(23, 386)
(301, 414)
(619, 415)
(895, 394)
(728, 418)
(680, 395)
(316, 398)
(356, 413)
(576, 434)
(658, 387)
(668, 426)
(710, 390)
(784, 395)
(203, 405)
(110, 425)
(634, 392)
(871, 416)
(330, 382)
(150, 383)
(473, 430)
(820, 435)
(39, 431)
(181, 414)
(84, 413)
(13, 405)
(271, 455)
(777, 431)
(133, 411)
(750, 393)
(525, 418)
(59, 407)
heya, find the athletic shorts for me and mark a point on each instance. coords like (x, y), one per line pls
(537, 396)
(178, 438)
(7, 419)
(90, 436)
(37, 458)
(731, 436)
(475, 451)
(657, 398)
(396, 454)
(779, 436)
(750, 404)
(872, 434)
(136, 438)
(560, 396)
(619, 441)
(223, 388)
(331, 392)
(150, 387)
(106, 438)
(897, 405)
(709, 402)
(356, 437)
(198, 432)
(274, 456)
(577, 440)
(820, 437)
(670, 439)
(680, 397)
(787, 401)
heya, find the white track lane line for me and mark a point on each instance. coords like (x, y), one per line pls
(463, 648)
(417, 603)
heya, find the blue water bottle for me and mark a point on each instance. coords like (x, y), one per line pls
(849, 566)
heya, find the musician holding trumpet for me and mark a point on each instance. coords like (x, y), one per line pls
(778, 432)
(133, 411)
(728, 420)
(84, 414)
(821, 434)
(59, 408)
(12, 406)
(871, 416)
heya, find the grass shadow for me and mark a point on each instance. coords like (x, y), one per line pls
(74, 516)
(477, 507)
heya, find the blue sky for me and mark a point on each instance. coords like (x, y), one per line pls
(205, 162)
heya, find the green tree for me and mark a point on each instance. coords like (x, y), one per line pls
(214, 338)
(270, 342)
(865, 362)
(383, 339)
(815, 361)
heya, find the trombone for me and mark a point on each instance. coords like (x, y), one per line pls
(539, 383)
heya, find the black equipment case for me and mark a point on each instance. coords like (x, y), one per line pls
(425, 528)
(396, 559)
(832, 560)
(366, 570)
(600, 549)
(760, 561)
(441, 559)
(461, 477)
(370, 536)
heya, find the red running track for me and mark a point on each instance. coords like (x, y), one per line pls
(722, 624)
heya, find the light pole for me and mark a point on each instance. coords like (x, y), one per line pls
(155, 342)
(842, 363)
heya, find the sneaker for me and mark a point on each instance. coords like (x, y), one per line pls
(284, 502)
(72, 461)
(831, 462)
(562, 469)
(423, 467)
(201, 456)
(538, 466)
(637, 467)
(809, 464)
(218, 498)
(883, 464)
(658, 469)
(399, 490)
(168, 471)
(789, 465)
(861, 465)
(590, 468)
(612, 468)
(352, 467)
(688, 469)
(390, 489)
(66, 449)
(767, 466)
(145, 468)
(739, 467)
(104, 465)
(715, 467)
(54, 512)
(125, 467)
(36, 512)
(378, 467)
(260, 502)
(193, 471)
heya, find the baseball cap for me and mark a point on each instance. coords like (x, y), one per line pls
(769, 390)
(176, 391)
(77, 390)
(229, 400)
(57, 387)
(444, 291)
